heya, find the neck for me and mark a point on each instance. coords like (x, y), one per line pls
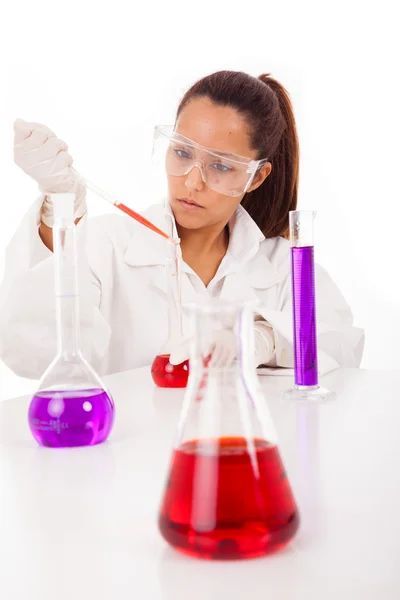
(204, 241)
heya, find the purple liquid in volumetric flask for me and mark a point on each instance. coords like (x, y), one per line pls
(304, 321)
(60, 419)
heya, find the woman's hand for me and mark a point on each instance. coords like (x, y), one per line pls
(45, 158)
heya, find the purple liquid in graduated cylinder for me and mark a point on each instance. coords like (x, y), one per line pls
(304, 324)
(60, 419)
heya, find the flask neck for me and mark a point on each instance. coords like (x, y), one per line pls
(224, 341)
(174, 303)
(223, 397)
(66, 289)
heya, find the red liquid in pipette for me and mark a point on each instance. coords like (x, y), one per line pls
(221, 503)
(140, 219)
(169, 376)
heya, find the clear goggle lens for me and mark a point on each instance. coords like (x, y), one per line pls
(228, 174)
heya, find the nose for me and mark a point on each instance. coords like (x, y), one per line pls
(194, 179)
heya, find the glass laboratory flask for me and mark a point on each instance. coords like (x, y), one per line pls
(163, 372)
(227, 495)
(71, 407)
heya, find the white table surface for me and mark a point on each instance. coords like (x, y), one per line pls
(82, 523)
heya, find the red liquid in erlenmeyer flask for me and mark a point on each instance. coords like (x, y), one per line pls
(169, 376)
(222, 503)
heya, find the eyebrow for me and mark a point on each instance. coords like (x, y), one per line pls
(238, 158)
(227, 154)
(231, 155)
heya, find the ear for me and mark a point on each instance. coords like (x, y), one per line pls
(260, 176)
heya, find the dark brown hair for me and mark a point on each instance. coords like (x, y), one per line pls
(267, 108)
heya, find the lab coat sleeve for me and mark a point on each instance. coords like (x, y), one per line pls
(27, 305)
(340, 344)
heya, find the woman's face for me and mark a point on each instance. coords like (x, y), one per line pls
(221, 128)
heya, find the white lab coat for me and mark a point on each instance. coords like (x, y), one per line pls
(123, 294)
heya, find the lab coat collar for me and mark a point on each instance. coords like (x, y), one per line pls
(245, 235)
(146, 248)
(242, 269)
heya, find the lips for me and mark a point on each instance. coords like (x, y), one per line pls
(189, 203)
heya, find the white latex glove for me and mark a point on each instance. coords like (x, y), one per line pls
(224, 351)
(264, 343)
(222, 354)
(180, 353)
(44, 157)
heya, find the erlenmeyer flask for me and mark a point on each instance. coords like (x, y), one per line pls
(163, 372)
(227, 494)
(72, 406)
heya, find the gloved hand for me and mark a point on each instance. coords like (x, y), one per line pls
(45, 158)
(221, 354)
(264, 343)
(180, 353)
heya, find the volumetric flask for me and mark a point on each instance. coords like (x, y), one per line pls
(163, 372)
(306, 386)
(227, 495)
(72, 406)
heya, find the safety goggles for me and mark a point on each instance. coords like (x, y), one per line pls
(226, 173)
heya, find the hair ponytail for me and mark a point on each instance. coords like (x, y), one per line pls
(270, 203)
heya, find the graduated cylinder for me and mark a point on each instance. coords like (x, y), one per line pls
(303, 298)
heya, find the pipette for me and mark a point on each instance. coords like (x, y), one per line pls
(128, 211)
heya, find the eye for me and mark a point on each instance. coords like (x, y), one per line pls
(182, 153)
(221, 167)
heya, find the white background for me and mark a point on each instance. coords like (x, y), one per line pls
(102, 75)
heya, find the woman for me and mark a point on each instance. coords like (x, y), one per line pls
(232, 165)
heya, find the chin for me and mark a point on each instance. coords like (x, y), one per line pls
(187, 221)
